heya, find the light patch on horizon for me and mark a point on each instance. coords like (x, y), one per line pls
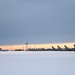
(13, 47)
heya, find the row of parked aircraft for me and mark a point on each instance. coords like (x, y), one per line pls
(53, 49)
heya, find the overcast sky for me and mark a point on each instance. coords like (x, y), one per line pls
(37, 21)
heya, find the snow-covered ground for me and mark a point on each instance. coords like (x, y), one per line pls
(37, 63)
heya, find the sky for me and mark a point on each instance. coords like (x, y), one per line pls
(37, 21)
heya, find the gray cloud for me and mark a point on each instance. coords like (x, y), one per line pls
(37, 21)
